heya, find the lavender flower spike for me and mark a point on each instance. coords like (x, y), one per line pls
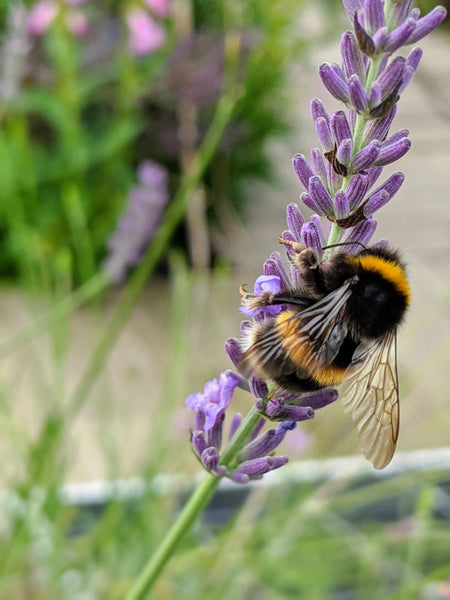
(139, 223)
(354, 145)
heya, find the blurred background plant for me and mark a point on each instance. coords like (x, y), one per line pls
(105, 110)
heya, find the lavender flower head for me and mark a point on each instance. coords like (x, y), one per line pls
(354, 145)
(139, 223)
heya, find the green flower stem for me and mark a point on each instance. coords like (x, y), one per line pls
(173, 217)
(192, 509)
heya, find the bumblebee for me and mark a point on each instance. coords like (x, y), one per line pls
(339, 328)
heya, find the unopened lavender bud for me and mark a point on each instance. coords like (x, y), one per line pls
(324, 134)
(295, 219)
(427, 24)
(375, 202)
(334, 179)
(341, 205)
(356, 190)
(372, 175)
(392, 184)
(318, 164)
(344, 152)
(214, 435)
(362, 232)
(233, 349)
(289, 412)
(258, 387)
(392, 76)
(262, 445)
(414, 57)
(340, 126)
(375, 95)
(380, 38)
(260, 466)
(198, 442)
(311, 238)
(235, 424)
(335, 84)
(239, 477)
(257, 428)
(210, 459)
(366, 157)
(374, 15)
(365, 42)
(378, 128)
(302, 169)
(318, 110)
(275, 266)
(398, 14)
(357, 94)
(392, 152)
(320, 195)
(352, 60)
(395, 137)
(199, 419)
(316, 220)
(399, 36)
(320, 398)
(308, 201)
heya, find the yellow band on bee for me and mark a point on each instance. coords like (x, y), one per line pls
(388, 270)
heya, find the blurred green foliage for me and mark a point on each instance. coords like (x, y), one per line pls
(86, 113)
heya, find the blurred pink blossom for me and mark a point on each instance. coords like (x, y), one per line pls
(145, 36)
(160, 8)
(77, 23)
(41, 15)
(44, 12)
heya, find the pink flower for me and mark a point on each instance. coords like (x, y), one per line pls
(40, 17)
(160, 8)
(145, 36)
(77, 23)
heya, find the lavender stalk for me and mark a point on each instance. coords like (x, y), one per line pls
(339, 179)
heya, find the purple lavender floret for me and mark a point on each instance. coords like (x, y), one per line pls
(139, 222)
(255, 457)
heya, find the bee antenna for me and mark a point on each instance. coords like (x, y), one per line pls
(343, 244)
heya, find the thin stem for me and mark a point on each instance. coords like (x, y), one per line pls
(195, 505)
(174, 215)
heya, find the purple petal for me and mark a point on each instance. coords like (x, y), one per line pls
(295, 219)
(340, 127)
(365, 41)
(318, 110)
(356, 190)
(366, 157)
(324, 134)
(302, 169)
(320, 195)
(318, 164)
(399, 36)
(344, 152)
(427, 24)
(375, 202)
(392, 152)
(198, 442)
(233, 349)
(334, 83)
(357, 93)
(352, 60)
(341, 205)
(260, 466)
(374, 15)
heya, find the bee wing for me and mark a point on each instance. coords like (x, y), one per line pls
(370, 393)
(324, 327)
(319, 330)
